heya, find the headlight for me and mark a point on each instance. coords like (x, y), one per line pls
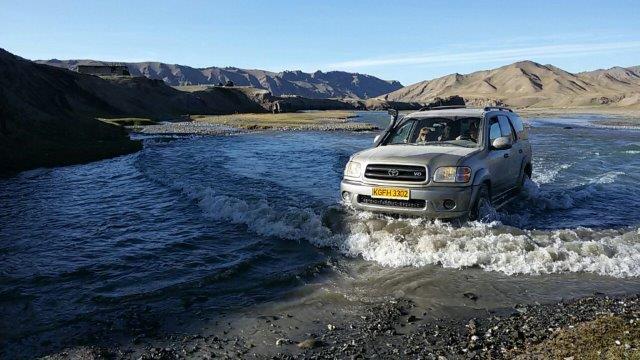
(353, 169)
(460, 174)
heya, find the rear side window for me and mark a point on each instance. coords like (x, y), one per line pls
(494, 130)
(505, 127)
(518, 126)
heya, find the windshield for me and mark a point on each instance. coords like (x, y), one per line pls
(455, 131)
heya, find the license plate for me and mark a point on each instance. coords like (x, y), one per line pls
(390, 193)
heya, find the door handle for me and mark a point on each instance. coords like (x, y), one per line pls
(506, 156)
(520, 151)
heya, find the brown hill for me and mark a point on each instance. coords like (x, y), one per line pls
(529, 84)
(48, 114)
(332, 84)
(43, 118)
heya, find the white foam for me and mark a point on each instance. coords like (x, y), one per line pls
(545, 176)
(290, 223)
(495, 247)
(398, 242)
(559, 199)
(607, 178)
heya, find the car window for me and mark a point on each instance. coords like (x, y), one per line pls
(401, 134)
(439, 131)
(494, 130)
(518, 126)
(505, 127)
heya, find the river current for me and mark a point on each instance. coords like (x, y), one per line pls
(216, 224)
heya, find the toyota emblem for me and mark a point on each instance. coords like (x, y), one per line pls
(393, 172)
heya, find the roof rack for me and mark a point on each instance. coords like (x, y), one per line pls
(427, 108)
(498, 108)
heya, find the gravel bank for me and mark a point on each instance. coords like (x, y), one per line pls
(185, 128)
(202, 128)
(599, 326)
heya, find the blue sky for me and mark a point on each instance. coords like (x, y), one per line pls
(408, 41)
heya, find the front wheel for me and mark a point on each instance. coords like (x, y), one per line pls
(482, 205)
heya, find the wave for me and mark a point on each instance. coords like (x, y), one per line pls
(631, 148)
(398, 242)
(290, 223)
(540, 199)
(546, 176)
(497, 247)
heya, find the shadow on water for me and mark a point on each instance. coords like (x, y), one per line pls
(99, 253)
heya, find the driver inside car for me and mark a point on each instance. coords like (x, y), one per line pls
(471, 134)
(446, 134)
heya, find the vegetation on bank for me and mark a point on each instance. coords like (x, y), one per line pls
(129, 121)
(607, 337)
(297, 120)
(627, 113)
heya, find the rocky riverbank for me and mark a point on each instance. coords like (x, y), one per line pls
(237, 123)
(190, 128)
(597, 326)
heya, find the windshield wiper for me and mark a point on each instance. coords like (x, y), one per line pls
(441, 143)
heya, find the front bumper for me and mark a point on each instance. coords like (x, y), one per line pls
(433, 196)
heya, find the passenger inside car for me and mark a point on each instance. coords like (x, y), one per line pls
(432, 131)
(424, 135)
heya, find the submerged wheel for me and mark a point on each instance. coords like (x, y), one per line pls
(523, 179)
(482, 203)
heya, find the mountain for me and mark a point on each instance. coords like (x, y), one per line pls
(615, 77)
(48, 115)
(332, 84)
(529, 84)
(43, 118)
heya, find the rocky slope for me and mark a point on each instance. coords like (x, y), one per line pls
(48, 115)
(333, 84)
(529, 84)
(44, 121)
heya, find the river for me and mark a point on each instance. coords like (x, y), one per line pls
(209, 225)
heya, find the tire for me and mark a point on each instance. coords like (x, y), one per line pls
(523, 180)
(483, 198)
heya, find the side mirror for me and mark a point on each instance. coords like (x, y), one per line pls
(377, 138)
(393, 113)
(501, 143)
(394, 118)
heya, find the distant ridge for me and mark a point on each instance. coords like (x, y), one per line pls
(530, 84)
(332, 84)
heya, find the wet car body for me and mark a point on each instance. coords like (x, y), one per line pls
(441, 179)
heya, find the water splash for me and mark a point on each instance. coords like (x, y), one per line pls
(398, 242)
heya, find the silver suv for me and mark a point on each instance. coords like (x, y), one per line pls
(445, 162)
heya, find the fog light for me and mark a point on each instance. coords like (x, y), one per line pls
(345, 196)
(449, 204)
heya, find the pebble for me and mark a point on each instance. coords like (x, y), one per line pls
(309, 344)
(482, 337)
(471, 296)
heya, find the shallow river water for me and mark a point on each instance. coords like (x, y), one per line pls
(215, 224)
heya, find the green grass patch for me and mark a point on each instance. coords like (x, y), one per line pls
(270, 121)
(129, 121)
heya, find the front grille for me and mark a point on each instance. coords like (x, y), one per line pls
(410, 204)
(396, 172)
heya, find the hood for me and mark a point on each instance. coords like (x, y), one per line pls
(415, 155)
